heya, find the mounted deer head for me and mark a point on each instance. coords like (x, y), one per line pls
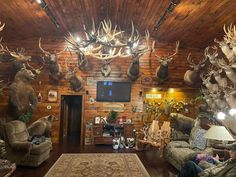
(209, 100)
(225, 44)
(136, 52)
(230, 98)
(230, 38)
(162, 70)
(219, 101)
(228, 68)
(222, 81)
(192, 76)
(54, 67)
(76, 82)
(206, 81)
(212, 57)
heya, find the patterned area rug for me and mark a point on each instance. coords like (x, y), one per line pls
(98, 165)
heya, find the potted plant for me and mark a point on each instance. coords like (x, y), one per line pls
(112, 116)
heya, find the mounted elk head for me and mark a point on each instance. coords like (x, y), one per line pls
(192, 76)
(76, 82)
(20, 58)
(162, 70)
(55, 72)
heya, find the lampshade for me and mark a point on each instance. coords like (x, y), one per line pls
(218, 133)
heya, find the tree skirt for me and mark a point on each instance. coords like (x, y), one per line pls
(98, 165)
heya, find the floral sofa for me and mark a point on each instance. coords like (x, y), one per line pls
(188, 144)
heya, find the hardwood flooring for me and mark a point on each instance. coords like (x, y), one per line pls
(155, 165)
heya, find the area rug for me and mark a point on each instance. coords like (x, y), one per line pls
(98, 165)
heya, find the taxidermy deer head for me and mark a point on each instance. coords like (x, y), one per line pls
(54, 67)
(76, 82)
(230, 98)
(162, 70)
(192, 76)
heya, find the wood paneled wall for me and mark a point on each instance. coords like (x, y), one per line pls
(119, 67)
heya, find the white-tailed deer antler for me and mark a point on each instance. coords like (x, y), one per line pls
(168, 58)
(2, 49)
(1, 27)
(228, 71)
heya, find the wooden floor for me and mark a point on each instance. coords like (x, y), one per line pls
(155, 165)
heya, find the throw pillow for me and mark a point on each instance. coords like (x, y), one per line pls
(197, 139)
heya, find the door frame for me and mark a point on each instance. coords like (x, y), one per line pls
(82, 119)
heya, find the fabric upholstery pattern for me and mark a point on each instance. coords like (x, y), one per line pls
(19, 149)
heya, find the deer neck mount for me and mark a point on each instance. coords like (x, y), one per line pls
(76, 82)
(107, 42)
(162, 72)
(55, 72)
(192, 76)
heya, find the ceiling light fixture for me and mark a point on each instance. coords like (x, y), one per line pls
(48, 11)
(169, 9)
(221, 116)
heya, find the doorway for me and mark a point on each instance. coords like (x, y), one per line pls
(71, 119)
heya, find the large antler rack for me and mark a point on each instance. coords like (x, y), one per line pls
(106, 42)
(168, 58)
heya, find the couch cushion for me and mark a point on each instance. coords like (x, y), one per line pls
(197, 139)
(41, 148)
(16, 131)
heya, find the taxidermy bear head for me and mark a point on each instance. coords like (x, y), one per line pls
(24, 75)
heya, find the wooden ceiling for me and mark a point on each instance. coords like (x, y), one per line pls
(194, 22)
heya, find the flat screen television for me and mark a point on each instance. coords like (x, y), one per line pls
(109, 91)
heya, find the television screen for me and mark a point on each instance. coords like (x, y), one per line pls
(113, 91)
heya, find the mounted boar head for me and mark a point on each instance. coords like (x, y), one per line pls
(54, 67)
(76, 82)
(192, 76)
(162, 70)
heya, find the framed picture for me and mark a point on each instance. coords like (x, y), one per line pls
(97, 120)
(52, 95)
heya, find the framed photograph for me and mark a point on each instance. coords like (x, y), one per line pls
(52, 95)
(97, 120)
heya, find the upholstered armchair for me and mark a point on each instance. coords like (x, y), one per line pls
(19, 149)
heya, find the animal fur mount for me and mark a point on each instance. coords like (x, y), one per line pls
(192, 76)
(22, 94)
(55, 72)
(133, 70)
(41, 127)
(162, 72)
(76, 82)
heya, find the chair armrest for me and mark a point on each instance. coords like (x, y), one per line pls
(22, 146)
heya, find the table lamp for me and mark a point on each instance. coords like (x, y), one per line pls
(219, 133)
